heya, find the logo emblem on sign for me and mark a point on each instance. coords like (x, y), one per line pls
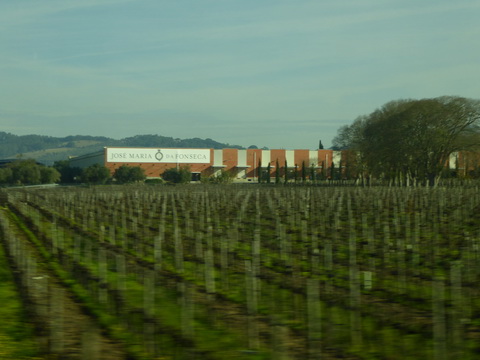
(159, 155)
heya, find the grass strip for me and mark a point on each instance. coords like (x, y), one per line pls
(107, 322)
(17, 339)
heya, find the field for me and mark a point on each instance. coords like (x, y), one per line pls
(250, 272)
(16, 334)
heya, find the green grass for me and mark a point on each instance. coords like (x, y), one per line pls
(16, 334)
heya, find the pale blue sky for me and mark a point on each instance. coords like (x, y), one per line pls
(275, 73)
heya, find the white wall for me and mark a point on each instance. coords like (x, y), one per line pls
(217, 157)
(452, 161)
(313, 158)
(290, 157)
(266, 156)
(242, 158)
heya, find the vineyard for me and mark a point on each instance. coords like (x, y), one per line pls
(252, 271)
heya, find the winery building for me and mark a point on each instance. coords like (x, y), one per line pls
(241, 164)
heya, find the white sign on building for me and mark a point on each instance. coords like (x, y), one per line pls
(179, 156)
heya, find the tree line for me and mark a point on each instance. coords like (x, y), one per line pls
(411, 140)
(29, 172)
(98, 174)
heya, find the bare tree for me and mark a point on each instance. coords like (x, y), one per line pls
(413, 138)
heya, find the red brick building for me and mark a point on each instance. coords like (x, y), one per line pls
(249, 164)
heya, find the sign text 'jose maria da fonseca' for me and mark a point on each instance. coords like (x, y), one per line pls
(128, 155)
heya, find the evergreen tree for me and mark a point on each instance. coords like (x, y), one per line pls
(259, 171)
(332, 171)
(304, 171)
(286, 172)
(277, 173)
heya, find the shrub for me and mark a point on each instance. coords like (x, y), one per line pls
(223, 177)
(177, 176)
(95, 174)
(129, 174)
(49, 175)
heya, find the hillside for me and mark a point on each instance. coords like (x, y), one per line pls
(48, 149)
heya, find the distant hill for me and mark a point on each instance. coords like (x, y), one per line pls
(48, 149)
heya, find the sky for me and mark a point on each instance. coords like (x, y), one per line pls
(274, 73)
